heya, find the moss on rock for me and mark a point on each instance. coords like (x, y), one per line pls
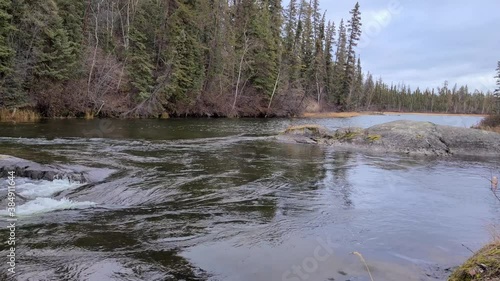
(373, 138)
(348, 134)
(303, 128)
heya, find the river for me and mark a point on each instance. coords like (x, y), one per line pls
(220, 199)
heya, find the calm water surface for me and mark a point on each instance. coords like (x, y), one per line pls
(220, 199)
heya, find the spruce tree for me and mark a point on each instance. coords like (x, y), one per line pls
(141, 65)
(290, 56)
(319, 66)
(307, 43)
(265, 56)
(52, 49)
(497, 90)
(72, 15)
(339, 95)
(184, 54)
(6, 51)
(357, 87)
(354, 30)
(329, 60)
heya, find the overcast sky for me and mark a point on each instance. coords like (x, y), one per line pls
(423, 43)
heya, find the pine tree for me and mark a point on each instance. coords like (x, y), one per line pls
(290, 56)
(339, 95)
(319, 71)
(52, 48)
(497, 90)
(264, 56)
(307, 43)
(357, 88)
(329, 61)
(72, 13)
(184, 54)
(141, 65)
(354, 29)
(316, 17)
(290, 27)
(6, 51)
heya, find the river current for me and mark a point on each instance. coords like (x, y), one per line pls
(221, 199)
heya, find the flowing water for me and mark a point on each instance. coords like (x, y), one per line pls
(220, 199)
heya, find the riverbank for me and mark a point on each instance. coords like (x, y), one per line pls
(483, 265)
(29, 116)
(361, 113)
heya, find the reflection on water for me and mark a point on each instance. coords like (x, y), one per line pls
(220, 200)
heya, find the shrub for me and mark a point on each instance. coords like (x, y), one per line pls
(490, 123)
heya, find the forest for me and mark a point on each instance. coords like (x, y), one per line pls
(219, 58)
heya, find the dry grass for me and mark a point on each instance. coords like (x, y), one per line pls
(484, 265)
(490, 123)
(89, 115)
(364, 262)
(18, 116)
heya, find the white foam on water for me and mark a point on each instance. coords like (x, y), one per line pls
(39, 192)
(42, 188)
(44, 205)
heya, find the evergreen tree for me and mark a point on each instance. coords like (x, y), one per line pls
(141, 65)
(319, 66)
(6, 51)
(52, 49)
(339, 95)
(291, 57)
(184, 54)
(497, 90)
(307, 43)
(354, 29)
(357, 88)
(266, 55)
(329, 61)
(72, 13)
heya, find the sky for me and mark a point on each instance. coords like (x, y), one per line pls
(424, 43)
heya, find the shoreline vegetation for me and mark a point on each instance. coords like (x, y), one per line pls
(28, 115)
(490, 123)
(484, 265)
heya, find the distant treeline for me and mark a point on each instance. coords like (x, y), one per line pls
(195, 58)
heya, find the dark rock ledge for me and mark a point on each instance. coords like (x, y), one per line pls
(29, 169)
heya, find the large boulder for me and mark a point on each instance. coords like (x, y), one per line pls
(411, 137)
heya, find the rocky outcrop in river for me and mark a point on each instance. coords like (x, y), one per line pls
(410, 137)
(29, 169)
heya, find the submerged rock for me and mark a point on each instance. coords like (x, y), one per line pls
(411, 137)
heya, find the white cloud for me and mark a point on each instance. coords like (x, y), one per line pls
(428, 42)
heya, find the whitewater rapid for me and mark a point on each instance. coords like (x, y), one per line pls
(39, 196)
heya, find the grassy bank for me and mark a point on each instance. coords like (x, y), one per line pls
(483, 265)
(22, 115)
